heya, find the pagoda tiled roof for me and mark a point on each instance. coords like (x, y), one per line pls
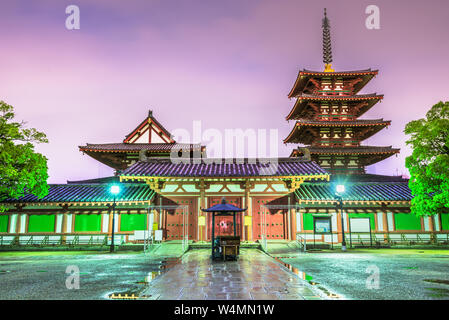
(300, 106)
(304, 76)
(368, 154)
(298, 133)
(137, 147)
(352, 150)
(339, 97)
(225, 168)
(80, 193)
(359, 191)
(339, 73)
(343, 123)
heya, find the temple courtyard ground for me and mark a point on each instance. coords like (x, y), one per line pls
(400, 274)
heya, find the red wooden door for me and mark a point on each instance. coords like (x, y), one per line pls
(177, 218)
(274, 220)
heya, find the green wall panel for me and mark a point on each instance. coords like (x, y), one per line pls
(407, 221)
(308, 221)
(4, 219)
(445, 221)
(365, 215)
(87, 222)
(131, 222)
(41, 223)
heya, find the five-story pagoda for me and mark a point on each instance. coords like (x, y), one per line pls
(326, 111)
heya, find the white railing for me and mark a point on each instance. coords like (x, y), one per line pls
(148, 240)
(263, 242)
(301, 242)
(185, 243)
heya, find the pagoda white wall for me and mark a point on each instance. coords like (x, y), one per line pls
(155, 138)
(143, 138)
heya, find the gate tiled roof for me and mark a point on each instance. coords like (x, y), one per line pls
(89, 193)
(225, 168)
(361, 191)
(136, 147)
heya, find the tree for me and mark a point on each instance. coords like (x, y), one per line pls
(429, 162)
(22, 170)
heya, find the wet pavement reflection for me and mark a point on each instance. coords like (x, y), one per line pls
(254, 276)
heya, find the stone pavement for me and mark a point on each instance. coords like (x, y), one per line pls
(254, 276)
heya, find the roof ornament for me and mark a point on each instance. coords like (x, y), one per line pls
(150, 113)
(327, 46)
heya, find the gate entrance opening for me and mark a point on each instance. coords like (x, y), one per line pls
(274, 221)
(169, 223)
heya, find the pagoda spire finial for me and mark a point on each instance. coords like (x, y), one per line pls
(327, 46)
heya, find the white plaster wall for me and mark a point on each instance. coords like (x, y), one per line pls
(69, 222)
(59, 223)
(298, 221)
(23, 221)
(143, 138)
(155, 138)
(380, 221)
(105, 224)
(426, 224)
(116, 222)
(334, 222)
(13, 223)
(345, 219)
(437, 223)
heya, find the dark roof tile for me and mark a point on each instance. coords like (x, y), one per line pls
(136, 147)
(89, 193)
(225, 168)
(361, 191)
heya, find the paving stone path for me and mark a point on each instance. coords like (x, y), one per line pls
(254, 276)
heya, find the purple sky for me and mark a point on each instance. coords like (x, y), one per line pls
(227, 63)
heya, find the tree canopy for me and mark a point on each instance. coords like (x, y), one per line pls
(22, 170)
(429, 163)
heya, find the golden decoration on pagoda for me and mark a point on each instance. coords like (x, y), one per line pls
(328, 68)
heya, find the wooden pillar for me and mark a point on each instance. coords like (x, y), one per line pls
(64, 223)
(64, 227)
(432, 228)
(302, 212)
(247, 230)
(161, 214)
(18, 222)
(164, 214)
(293, 218)
(110, 221)
(27, 222)
(385, 223)
(339, 227)
(250, 212)
(213, 233)
(431, 224)
(118, 219)
(203, 229)
(156, 213)
(293, 224)
(376, 224)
